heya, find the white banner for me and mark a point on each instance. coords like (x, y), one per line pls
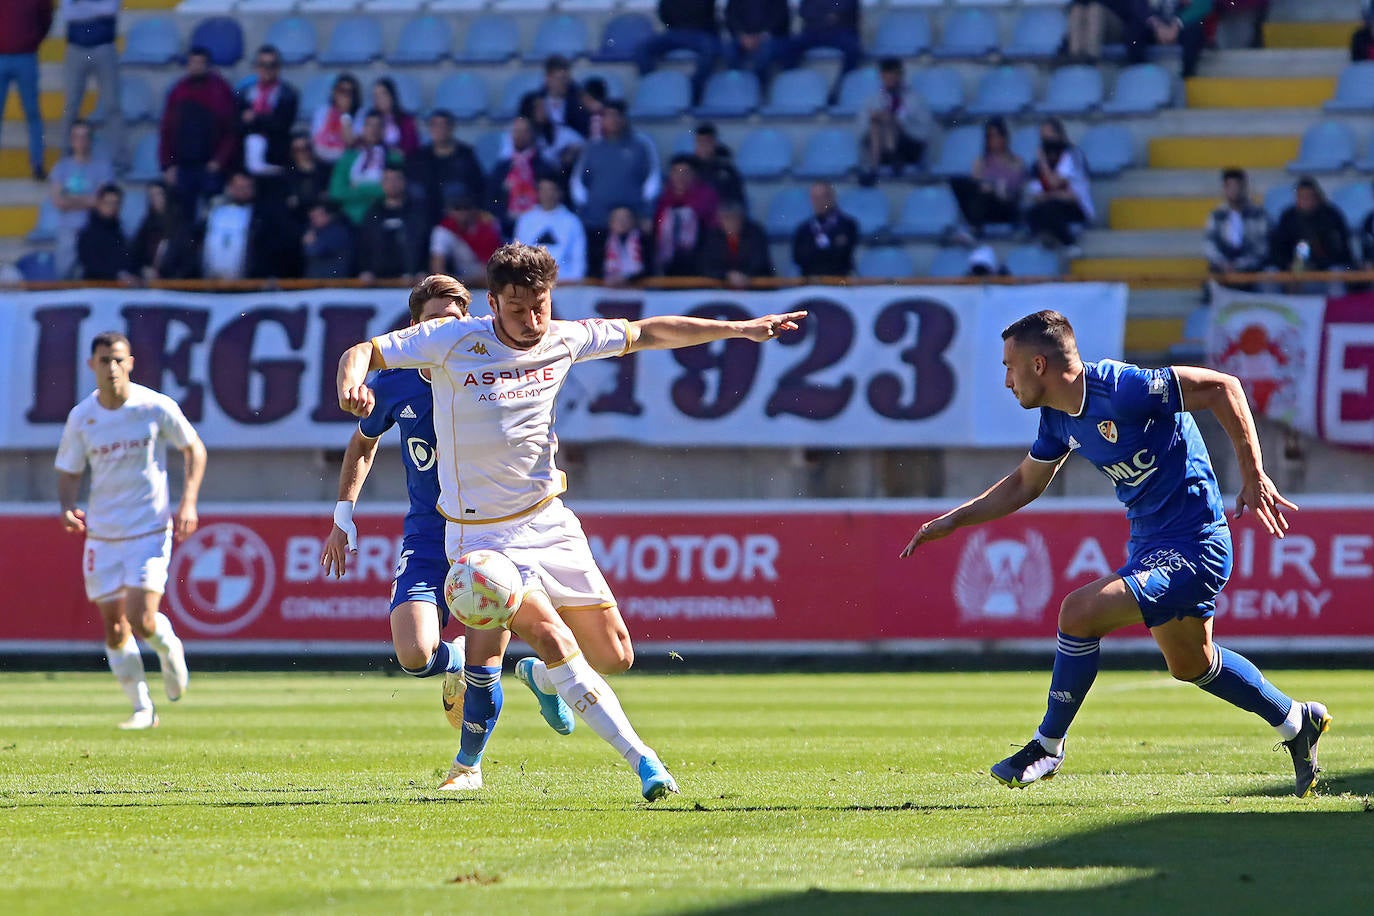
(873, 366)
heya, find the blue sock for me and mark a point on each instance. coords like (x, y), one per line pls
(443, 661)
(1235, 679)
(1075, 669)
(481, 707)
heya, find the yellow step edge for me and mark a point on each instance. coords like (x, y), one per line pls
(1308, 34)
(1222, 152)
(49, 105)
(17, 221)
(155, 5)
(1143, 273)
(14, 163)
(1152, 335)
(1160, 212)
(1263, 92)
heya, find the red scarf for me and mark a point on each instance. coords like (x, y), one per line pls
(521, 195)
(623, 257)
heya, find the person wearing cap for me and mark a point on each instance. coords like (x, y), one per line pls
(466, 237)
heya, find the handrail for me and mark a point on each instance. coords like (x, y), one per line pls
(685, 283)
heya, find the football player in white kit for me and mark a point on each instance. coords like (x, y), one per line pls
(121, 433)
(495, 380)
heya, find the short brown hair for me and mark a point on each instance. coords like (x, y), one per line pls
(437, 286)
(109, 339)
(522, 266)
(1046, 331)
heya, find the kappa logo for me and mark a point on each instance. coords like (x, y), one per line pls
(407, 413)
(1074, 443)
(479, 348)
(1108, 430)
(1003, 579)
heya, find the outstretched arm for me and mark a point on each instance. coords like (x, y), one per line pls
(672, 332)
(1222, 394)
(357, 361)
(343, 537)
(1018, 488)
(187, 519)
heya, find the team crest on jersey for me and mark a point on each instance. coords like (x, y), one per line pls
(407, 413)
(421, 453)
(479, 348)
(1108, 430)
(1003, 579)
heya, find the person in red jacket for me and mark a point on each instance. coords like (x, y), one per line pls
(686, 211)
(26, 24)
(199, 133)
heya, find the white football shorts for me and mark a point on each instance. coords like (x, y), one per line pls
(140, 562)
(550, 551)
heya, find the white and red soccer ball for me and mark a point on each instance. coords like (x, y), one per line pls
(483, 589)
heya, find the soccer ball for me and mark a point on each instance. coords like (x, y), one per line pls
(483, 590)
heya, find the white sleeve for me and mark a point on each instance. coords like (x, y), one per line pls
(438, 241)
(71, 452)
(420, 345)
(596, 338)
(174, 426)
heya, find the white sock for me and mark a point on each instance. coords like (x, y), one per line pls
(127, 666)
(540, 675)
(588, 693)
(1054, 745)
(1288, 729)
(162, 637)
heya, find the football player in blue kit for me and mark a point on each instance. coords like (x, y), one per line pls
(472, 694)
(1135, 426)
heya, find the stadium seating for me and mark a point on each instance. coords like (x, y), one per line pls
(1072, 91)
(424, 40)
(883, 263)
(796, 94)
(1108, 148)
(1327, 146)
(661, 95)
(37, 267)
(410, 94)
(490, 39)
(787, 210)
(314, 95)
(927, 213)
(1140, 89)
(1355, 201)
(152, 42)
(1037, 34)
(563, 35)
(514, 89)
(137, 101)
(764, 153)
(1277, 199)
(143, 164)
(620, 37)
(869, 208)
(948, 263)
(901, 33)
(463, 93)
(1354, 89)
(729, 94)
(958, 150)
(355, 42)
(941, 87)
(132, 210)
(44, 230)
(487, 148)
(1003, 91)
(1031, 261)
(295, 38)
(1025, 142)
(221, 37)
(830, 152)
(968, 33)
(856, 88)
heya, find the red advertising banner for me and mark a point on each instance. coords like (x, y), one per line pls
(733, 576)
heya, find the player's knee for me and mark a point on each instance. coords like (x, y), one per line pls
(550, 639)
(412, 657)
(1187, 666)
(618, 663)
(1076, 616)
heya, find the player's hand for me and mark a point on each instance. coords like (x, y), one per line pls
(932, 530)
(186, 522)
(1264, 499)
(337, 547)
(74, 521)
(770, 326)
(357, 400)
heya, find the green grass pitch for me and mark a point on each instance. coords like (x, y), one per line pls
(817, 793)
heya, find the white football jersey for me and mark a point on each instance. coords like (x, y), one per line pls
(126, 449)
(494, 407)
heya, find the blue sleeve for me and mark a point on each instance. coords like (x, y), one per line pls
(1144, 394)
(381, 419)
(1048, 447)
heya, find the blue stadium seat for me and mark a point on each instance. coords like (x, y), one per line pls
(968, 33)
(409, 92)
(948, 263)
(621, 36)
(901, 33)
(928, 213)
(729, 94)
(565, 35)
(1366, 163)
(221, 37)
(1032, 261)
(941, 87)
(1277, 199)
(355, 41)
(764, 153)
(1354, 89)
(1327, 146)
(869, 208)
(1108, 148)
(660, 95)
(314, 95)
(796, 94)
(487, 147)
(152, 42)
(424, 40)
(45, 226)
(1025, 142)
(37, 267)
(295, 38)
(463, 93)
(831, 152)
(491, 39)
(788, 209)
(144, 164)
(1072, 91)
(132, 210)
(856, 88)
(1002, 91)
(1356, 201)
(1140, 89)
(958, 150)
(1191, 349)
(137, 102)
(513, 90)
(1037, 34)
(883, 263)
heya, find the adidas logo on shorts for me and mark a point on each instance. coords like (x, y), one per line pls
(407, 413)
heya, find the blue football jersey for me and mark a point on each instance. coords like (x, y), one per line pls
(404, 399)
(1133, 429)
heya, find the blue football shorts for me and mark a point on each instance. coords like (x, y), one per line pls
(1173, 578)
(420, 572)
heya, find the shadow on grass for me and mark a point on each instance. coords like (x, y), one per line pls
(1217, 863)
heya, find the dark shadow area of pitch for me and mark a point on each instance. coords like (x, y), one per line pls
(1216, 862)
